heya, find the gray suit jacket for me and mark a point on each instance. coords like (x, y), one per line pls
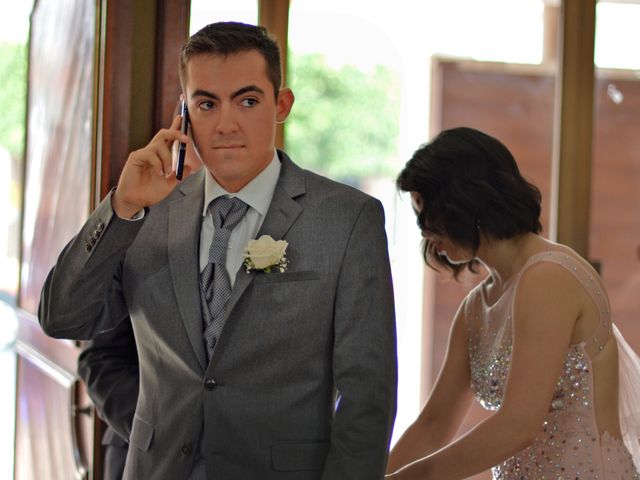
(302, 384)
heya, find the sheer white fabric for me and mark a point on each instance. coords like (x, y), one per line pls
(629, 396)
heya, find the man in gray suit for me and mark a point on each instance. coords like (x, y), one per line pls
(249, 370)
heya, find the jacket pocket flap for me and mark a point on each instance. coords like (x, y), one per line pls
(287, 276)
(299, 456)
(141, 434)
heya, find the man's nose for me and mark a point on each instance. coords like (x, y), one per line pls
(226, 120)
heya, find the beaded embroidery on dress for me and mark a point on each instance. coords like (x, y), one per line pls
(569, 445)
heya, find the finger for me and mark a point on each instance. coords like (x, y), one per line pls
(171, 134)
(171, 179)
(176, 125)
(167, 137)
(146, 158)
(164, 154)
(156, 165)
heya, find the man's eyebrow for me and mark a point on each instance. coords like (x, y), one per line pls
(248, 88)
(237, 93)
(204, 93)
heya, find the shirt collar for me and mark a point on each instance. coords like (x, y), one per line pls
(257, 193)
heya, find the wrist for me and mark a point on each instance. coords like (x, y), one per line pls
(122, 208)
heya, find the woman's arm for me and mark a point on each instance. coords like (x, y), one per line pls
(546, 306)
(446, 407)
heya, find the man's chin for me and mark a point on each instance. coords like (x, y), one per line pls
(222, 156)
(227, 154)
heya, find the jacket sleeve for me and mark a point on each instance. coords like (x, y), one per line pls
(364, 358)
(108, 365)
(82, 295)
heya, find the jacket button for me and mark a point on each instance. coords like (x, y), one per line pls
(186, 449)
(100, 227)
(210, 384)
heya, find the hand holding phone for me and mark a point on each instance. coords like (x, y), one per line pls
(182, 147)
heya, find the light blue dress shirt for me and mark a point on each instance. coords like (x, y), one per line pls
(257, 194)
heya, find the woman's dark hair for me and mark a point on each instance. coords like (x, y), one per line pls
(470, 184)
(228, 38)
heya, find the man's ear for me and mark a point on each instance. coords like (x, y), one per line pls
(283, 104)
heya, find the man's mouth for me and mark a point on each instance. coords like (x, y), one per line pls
(227, 146)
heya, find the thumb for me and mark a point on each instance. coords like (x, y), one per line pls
(171, 179)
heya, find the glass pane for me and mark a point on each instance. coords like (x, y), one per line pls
(615, 196)
(617, 35)
(204, 12)
(372, 81)
(14, 34)
(480, 32)
(351, 121)
(59, 138)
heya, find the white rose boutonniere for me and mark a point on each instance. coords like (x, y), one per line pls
(266, 254)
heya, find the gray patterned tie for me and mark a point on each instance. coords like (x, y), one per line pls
(215, 285)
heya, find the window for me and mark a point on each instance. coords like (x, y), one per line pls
(204, 12)
(362, 75)
(14, 33)
(615, 223)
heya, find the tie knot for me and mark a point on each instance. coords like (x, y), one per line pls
(227, 212)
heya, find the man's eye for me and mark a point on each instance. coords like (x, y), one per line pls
(205, 105)
(248, 102)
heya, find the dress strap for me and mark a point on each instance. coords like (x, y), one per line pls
(592, 283)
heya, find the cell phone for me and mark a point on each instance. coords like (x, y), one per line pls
(182, 147)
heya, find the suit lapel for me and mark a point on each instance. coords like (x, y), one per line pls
(282, 214)
(185, 220)
(284, 210)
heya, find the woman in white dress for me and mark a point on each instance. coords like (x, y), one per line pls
(534, 342)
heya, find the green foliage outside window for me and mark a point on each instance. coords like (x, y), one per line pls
(13, 72)
(344, 122)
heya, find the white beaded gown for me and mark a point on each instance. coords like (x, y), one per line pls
(569, 445)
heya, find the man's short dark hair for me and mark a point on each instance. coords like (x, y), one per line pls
(228, 38)
(470, 184)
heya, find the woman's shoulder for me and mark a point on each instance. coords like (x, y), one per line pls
(551, 258)
(557, 276)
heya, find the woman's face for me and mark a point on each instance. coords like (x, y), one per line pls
(455, 254)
